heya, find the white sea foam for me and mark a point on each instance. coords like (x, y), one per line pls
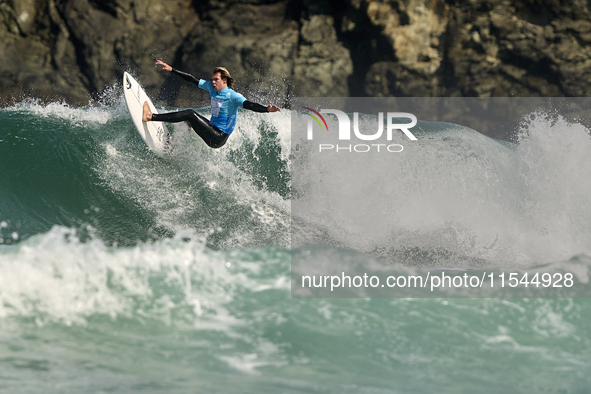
(77, 116)
(56, 277)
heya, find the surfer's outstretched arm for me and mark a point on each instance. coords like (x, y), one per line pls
(186, 76)
(260, 108)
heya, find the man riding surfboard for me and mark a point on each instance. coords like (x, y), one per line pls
(224, 107)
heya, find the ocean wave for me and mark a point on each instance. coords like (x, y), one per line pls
(75, 167)
(56, 277)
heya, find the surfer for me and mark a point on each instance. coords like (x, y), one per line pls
(224, 107)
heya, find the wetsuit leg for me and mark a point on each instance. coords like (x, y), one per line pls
(213, 137)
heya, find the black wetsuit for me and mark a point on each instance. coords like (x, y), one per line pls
(213, 136)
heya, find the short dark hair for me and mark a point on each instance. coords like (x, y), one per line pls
(224, 74)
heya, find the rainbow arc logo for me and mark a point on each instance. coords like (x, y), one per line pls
(318, 115)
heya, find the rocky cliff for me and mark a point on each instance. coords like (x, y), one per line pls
(277, 49)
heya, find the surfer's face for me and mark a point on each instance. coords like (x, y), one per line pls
(218, 82)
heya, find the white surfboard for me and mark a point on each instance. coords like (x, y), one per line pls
(155, 134)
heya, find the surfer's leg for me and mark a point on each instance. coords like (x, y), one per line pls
(213, 137)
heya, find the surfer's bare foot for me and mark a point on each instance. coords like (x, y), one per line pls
(147, 115)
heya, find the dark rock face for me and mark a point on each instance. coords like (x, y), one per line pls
(75, 49)
(70, 49)
(539, 48)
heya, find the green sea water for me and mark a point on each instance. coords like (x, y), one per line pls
(124, 272)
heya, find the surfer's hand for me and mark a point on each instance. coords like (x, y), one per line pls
(273, 108)
(164, 65)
